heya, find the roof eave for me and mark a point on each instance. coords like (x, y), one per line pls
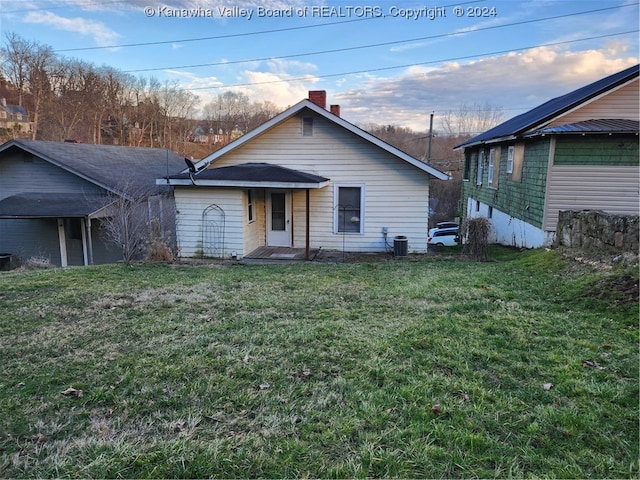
(246, 184)
(491, 141)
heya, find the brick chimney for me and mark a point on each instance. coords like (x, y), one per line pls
(319, 97)
(335, 109)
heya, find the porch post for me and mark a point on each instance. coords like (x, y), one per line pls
(62, 238)
(83, 228)
(89, 241)
(307, 256)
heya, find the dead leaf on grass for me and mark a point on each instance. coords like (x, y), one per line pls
(40, 438)
(592, 364)
(72, 392)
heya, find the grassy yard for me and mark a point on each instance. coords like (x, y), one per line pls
(525, 366)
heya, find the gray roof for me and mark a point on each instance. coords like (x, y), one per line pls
(254, 172)
(607, 125)
(14, 109)
(545, 113)
(51, 205)
(114, 168)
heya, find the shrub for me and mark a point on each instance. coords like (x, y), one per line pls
(475, 232)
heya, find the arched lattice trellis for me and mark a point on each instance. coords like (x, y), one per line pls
(213, 232)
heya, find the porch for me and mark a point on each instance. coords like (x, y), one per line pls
(281, 254)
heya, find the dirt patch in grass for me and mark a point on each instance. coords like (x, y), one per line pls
(617, 289)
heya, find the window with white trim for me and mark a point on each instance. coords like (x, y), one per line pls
(348, 208)
(510, 156)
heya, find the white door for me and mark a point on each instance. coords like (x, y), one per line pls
(279, 218)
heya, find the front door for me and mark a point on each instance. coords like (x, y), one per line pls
(279, 218)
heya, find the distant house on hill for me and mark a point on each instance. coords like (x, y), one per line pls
(14, 119)
(575, 152)
(54, 196)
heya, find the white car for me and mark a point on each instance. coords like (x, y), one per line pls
(443, 237)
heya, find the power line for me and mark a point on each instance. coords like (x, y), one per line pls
(465, 57)
(374, 45)
(99, 3)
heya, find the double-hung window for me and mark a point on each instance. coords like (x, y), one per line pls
(348, 208)
(480, 169)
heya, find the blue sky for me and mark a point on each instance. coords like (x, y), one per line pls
(383, 61)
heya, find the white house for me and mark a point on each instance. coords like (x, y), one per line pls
(306, 179)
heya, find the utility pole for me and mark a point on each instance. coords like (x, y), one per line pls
(430, 137)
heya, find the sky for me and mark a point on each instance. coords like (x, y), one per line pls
(385, 62)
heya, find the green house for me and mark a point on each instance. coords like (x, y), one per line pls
(574, 152)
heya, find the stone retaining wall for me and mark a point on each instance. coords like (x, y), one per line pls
(594, 229)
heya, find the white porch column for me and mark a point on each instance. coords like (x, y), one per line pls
(62, 237)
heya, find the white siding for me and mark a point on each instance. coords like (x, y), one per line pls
(611, 189)
(621, 103)
(508, 230)
(191, 203)
(397, 194)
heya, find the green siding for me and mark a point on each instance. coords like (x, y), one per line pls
(523, 200)
(600, 150)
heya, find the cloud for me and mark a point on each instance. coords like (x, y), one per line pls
(102, 35)
(515, 82)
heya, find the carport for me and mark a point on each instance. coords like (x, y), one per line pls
(70, 212)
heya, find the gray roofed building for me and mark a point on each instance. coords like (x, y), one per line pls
(54, 195)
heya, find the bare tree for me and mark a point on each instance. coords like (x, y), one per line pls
(471, 119)
(15, 63)
(138, 222)
(39, 69)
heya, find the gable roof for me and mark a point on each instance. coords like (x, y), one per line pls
(548, 111)
(307, 104)
(113, 168)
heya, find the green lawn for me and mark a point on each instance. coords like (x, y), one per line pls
(525, 366)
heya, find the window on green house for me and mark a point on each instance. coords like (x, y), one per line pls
(515, 161)
(494, 167)
(466, 169)
(480, 169)
(510, 155)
